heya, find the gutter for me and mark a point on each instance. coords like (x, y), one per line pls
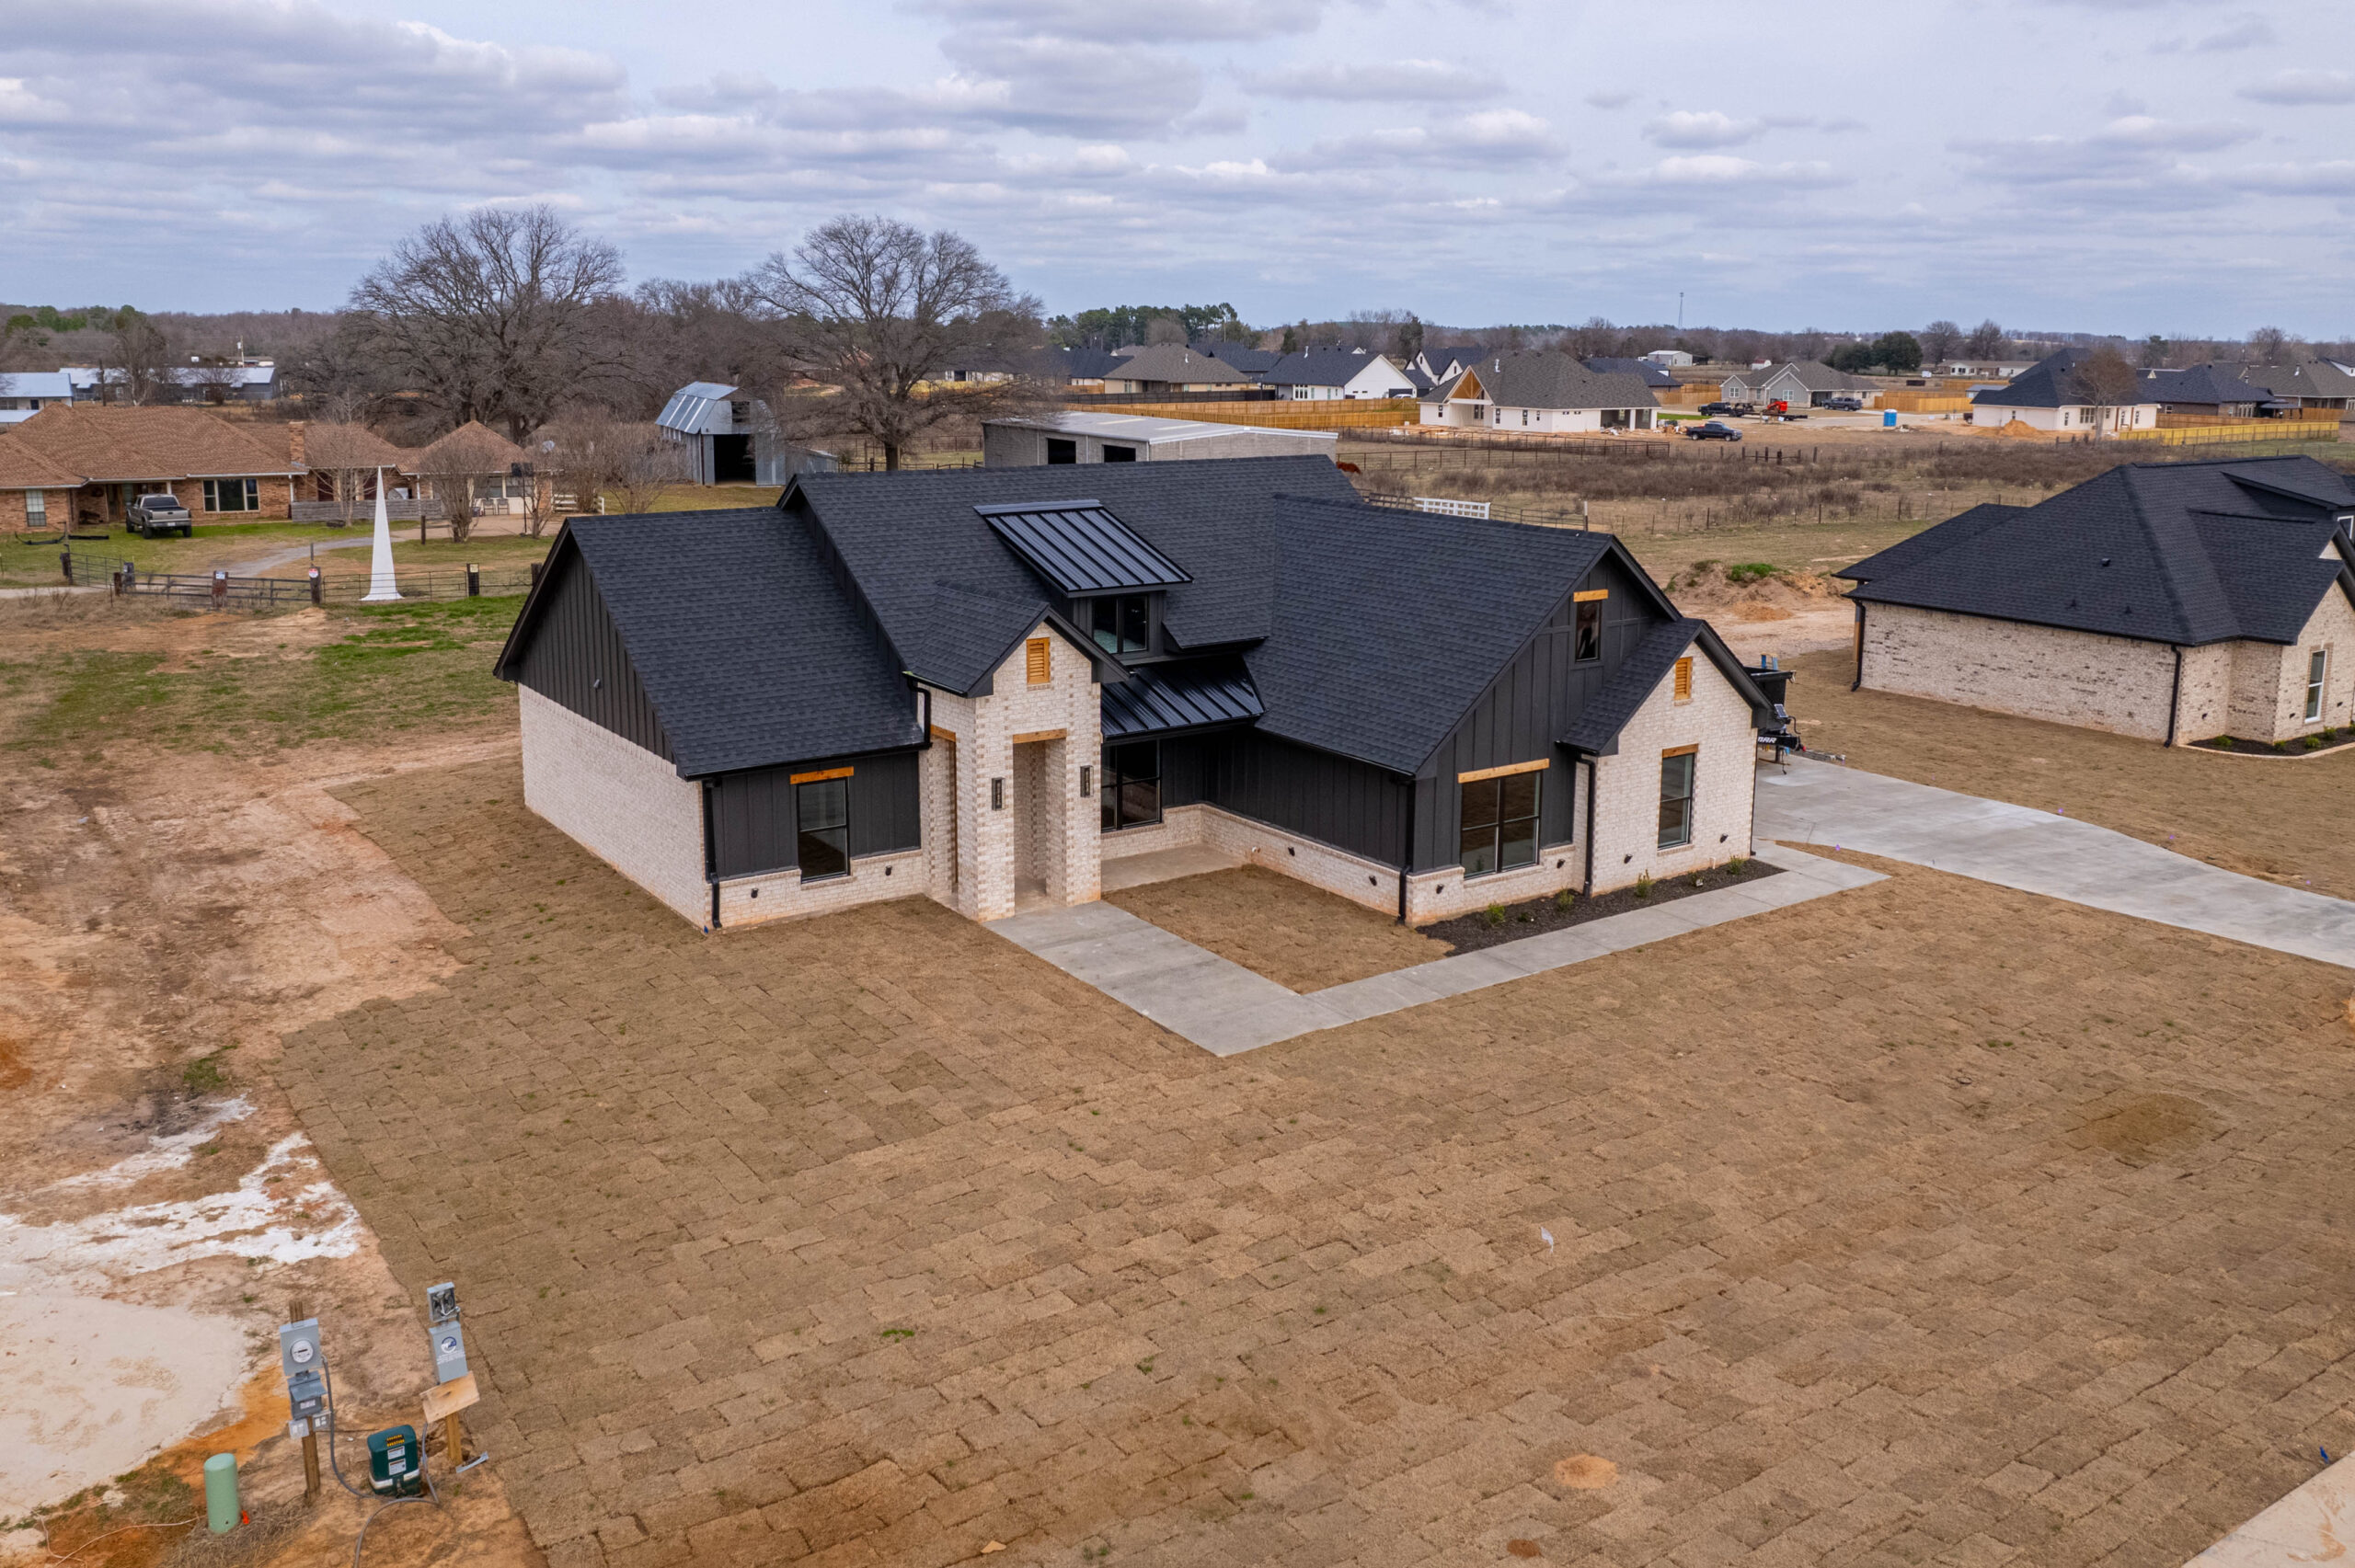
(1406, 856)
(2175, 697)
(1593, 776)
(710, 856)
(1859, 681)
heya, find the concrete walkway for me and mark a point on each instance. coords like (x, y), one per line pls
(1225, 1009)
(2311, 1525)
(2038, 851)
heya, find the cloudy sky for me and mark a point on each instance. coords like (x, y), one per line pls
(2129, 165)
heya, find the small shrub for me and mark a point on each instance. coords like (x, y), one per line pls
(1493, 916)
(1736, 865)
(2222, 743)
(2313, 742)
(1565, 899)
(2280, 746)
(1643, 884)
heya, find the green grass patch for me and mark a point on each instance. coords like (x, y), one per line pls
(396, 668)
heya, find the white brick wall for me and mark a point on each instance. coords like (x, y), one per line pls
(1063, 850)
(2276, 687)
(2204, 708)
(1627, 803)
(2080, 677)
(782, 895)
(622, 801)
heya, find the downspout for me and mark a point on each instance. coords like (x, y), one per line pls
(1859, 681)
(1594, 779)
(710, 856)
(1406, 856)
(2175, 697)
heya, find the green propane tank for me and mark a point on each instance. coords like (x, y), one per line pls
(395, 1462)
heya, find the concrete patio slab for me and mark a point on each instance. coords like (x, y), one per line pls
(1225, 1009)
(1127, 871)
(2310, 1525)
(2036, 852)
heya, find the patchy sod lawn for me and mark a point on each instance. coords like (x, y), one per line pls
(2284, 821)
(1931, 1221)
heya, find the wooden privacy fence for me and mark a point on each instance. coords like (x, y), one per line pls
(2254, 432)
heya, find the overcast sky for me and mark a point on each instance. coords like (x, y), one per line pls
(2132, 166)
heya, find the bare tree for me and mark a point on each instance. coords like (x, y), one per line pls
(2264, 345)
(1165, 329)
(2105, 380)
(589, 455)
(137, 363)
(873, 307)
(488, 315)
(643, 467)
(1939, 341)
(1986, 340)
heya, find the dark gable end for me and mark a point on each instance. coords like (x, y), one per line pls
(564, 646)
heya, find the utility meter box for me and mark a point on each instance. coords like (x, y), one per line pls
(395, 1463)
(305, 1365)
(442, 1328)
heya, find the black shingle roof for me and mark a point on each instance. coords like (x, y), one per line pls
(1388, 624)
(2202, 386)
(1607, 364)
(745, 649)
(1081, 547)
(2050, 383)
(1543, 378)
(2187, 553)
(903, 535)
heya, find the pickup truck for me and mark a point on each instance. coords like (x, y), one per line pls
(151, 516)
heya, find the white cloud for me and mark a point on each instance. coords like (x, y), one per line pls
(1164, 21)
(2251, 32)
(1719, 168)
(1685, 128)
(1413, 81)
(2303, 87)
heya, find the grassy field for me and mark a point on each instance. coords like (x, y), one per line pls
(243, 684)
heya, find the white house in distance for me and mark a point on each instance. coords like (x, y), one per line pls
(1080, 437)
(1338, 373)
(23, 394)
(2046, 397)
(1540, 390)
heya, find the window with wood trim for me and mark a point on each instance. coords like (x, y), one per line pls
(1685, 679)
(1587, 640)
(1676, 775)
(821, 812)
(1498, 824)
(1038, 660)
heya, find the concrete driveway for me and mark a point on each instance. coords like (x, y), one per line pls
(2038, 851)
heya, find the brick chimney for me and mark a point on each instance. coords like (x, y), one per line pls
(295, 443)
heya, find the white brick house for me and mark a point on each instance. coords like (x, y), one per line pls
(1542, 391)
(2173, 602)
(975, 686)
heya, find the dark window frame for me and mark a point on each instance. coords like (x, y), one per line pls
(1586, 624)
(1497, 830)
(1680, 775)
(825, 842)
(1061, 453)
(1114, 452)
(248, 493)
(1121, 624)
(1121, 787)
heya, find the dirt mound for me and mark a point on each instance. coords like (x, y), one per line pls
(1750, 590)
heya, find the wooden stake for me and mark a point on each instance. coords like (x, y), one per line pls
(454, 1439)
(297, 1311)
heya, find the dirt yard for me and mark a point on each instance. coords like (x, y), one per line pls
(1935, 1219)
(177, 888)
(1275, 926)
(2280, 818)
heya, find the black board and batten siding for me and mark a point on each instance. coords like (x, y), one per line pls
(1532, 702)
(576, 659)
(753, 826)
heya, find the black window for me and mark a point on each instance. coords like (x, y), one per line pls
(1120, 454)
(1123, 625)
(1588, 646)
(822, 808)
(1500, 823)
(1676, 801)
(1060, 452)
(1131, 788)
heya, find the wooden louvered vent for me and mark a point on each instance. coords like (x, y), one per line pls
(1038, 659)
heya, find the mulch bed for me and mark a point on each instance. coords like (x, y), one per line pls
(1538, 916)
(2331, 741)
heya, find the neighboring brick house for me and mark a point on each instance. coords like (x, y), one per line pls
(475, 461)
(979, 684)
(36, 492)
(2170, 601)
(1169, 368)
(1540, 390)
(2316, 385)
(221, 470)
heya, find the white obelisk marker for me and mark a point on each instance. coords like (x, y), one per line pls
(380, 588)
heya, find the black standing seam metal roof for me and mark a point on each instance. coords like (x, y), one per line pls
(2185, 552)
(1168, 699)
(1081, 548)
